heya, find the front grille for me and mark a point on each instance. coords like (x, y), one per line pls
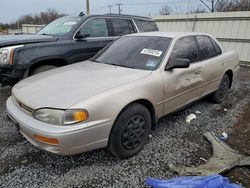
(23, 106)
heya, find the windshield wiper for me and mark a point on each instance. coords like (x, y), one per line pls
(126, 66)
(94, 60)
(44, 34)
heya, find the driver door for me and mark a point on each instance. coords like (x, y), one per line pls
(183, 85)
(95, 36)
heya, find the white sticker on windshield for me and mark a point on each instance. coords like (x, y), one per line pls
(152, 52)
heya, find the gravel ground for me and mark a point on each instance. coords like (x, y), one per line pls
(173, 142)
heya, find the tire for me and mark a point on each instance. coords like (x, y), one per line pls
(130, 131)
(220, 94)
(42, 69)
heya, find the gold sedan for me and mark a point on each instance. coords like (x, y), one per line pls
(114, 99)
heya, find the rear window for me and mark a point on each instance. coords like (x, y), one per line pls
(146, 53)
(146, 25)
(216, 46)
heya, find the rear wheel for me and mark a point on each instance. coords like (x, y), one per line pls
(42, 69)
(130, 131)
(220, 94)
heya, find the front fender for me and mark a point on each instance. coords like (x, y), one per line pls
(33, 53)
(108, 105)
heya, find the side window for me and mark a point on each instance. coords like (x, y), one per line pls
(122, 27)
(207, 49)
(185, 48)
(148, 25)
(95, 28)
(216, 47)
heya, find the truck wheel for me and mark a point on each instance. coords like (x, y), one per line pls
(42, 69)
(220, 94)
(130, 131)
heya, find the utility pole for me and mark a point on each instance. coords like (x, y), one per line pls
(87, 7)
(119, 8)
(110, 8)
(18, 26)
(214, 4)
(7, 30)
(188, 15)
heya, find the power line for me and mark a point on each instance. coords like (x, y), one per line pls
(142, 4)
(99, 8)
(155, 3)
(214, 4)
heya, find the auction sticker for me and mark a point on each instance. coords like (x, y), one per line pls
(151, 52)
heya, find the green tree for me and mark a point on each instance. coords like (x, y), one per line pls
(42, 18)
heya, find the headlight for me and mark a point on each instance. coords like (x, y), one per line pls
(60, 117)
(6, 54)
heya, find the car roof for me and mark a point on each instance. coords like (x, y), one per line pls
(112, 15)
(130, 16)
(167, 34)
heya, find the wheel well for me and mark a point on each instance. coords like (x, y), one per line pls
(230, 74)
(53, 62)
(150, 108)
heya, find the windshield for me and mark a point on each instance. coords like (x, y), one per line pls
(60, 26)
(139, 52)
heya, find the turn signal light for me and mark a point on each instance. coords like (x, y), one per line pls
(11, 56)
(53, 141)
(80, 116)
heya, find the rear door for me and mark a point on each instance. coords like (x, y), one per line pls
(122, 26)
(212, 60)
(183, 85)
(96, 35)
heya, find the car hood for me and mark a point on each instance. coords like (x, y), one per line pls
(9, 40)
(65, 86)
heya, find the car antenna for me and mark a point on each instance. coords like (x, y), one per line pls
(81, 14)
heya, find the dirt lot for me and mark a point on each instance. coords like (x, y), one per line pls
(173, 142)
(240, 139)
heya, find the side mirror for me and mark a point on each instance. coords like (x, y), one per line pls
(79, 36)
(178, 63)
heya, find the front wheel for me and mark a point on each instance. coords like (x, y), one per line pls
(130, 131)
(220, 94)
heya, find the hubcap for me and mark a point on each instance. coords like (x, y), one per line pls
(133, 132)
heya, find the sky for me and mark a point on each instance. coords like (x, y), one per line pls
(10, 10)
